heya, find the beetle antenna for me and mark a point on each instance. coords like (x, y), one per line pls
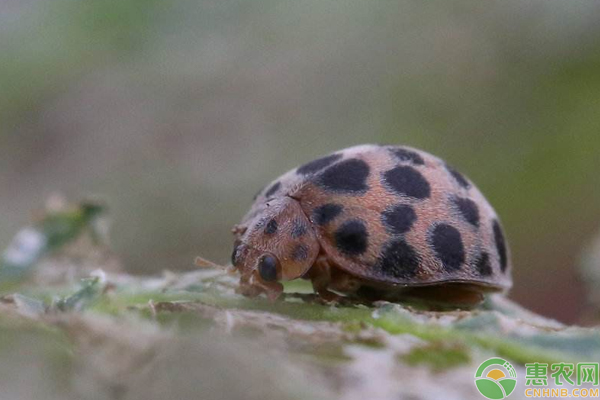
(204, 263)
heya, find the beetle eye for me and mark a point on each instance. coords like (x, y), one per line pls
(267, 268)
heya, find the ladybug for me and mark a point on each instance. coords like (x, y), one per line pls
(373, 221)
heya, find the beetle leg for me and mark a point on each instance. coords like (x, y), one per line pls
(320, 277)
(272, 289)
(247, 288)
(253, 286)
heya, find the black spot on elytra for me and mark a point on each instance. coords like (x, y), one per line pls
(483, 265)
(448, 246)
(407, 155)
(398, 219)
(407, 181)
(397, 259)
(298, 230)
(318, 164)
(326, 213)
(351, 238)
(273, 189)
(271, 227)
(349, 176)
(460, 178)
(468, 209)
(500, 245)
(300, 253)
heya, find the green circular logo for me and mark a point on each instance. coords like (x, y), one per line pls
(496, 378)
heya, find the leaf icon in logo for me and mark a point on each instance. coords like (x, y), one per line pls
(489, 388)
(508, 384)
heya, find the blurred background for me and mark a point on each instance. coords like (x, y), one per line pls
(176, 113)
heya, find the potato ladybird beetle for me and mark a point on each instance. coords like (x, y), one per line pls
(379, 222)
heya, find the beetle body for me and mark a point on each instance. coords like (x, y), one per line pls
(379, 221)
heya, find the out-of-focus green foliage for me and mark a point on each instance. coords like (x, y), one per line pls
(51, 232)
(90, 291)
